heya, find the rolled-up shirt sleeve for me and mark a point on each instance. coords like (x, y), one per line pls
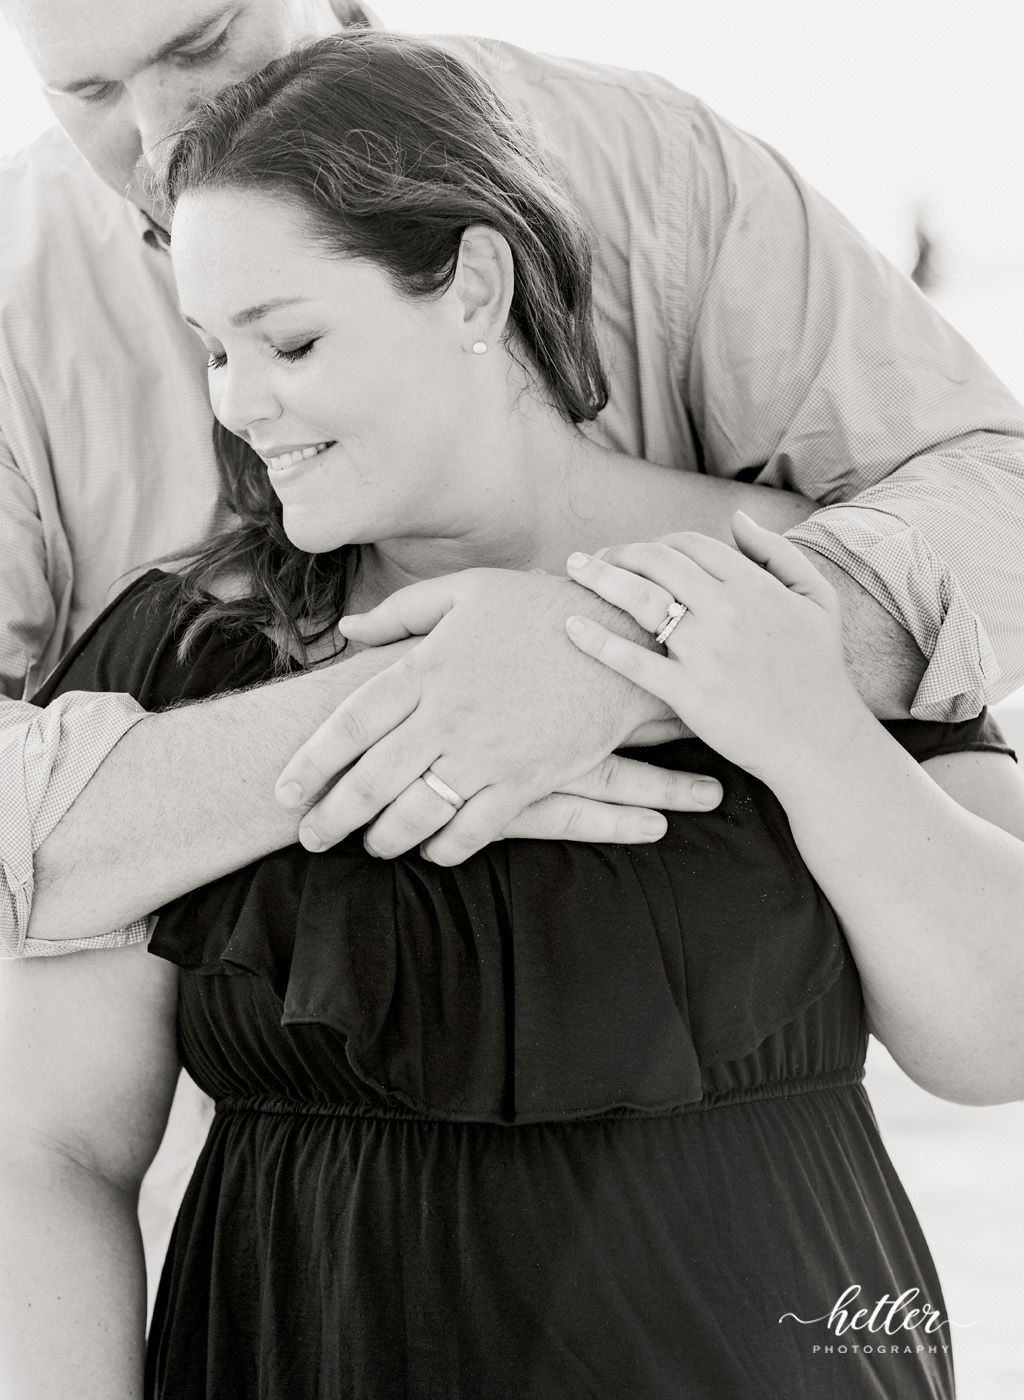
(47, 756)
(938, 543)
(811, 363)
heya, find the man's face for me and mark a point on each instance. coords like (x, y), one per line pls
(121, 75)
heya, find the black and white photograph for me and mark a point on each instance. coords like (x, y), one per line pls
(511, 700)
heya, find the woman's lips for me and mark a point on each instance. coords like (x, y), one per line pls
(282, 461)
(279, 462)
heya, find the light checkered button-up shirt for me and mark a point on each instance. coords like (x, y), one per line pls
(746, 328)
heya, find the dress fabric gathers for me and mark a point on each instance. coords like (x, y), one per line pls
(565, 1121)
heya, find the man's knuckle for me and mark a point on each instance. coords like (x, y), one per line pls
(349, 726)
(573, 820)
(398, 831)
(455, 846)
(471, 837)
(612, 777)
(362, 786)
(623, 828)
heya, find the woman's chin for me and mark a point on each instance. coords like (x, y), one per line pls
(313, 531)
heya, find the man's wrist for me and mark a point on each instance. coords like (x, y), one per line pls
(883, 660)
(640, 709)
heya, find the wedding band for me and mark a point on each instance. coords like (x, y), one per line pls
(442, 789)
(676, 613)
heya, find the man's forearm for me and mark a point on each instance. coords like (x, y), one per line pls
(185, 797)
(881, 656)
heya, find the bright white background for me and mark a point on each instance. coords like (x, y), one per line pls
(893, 108)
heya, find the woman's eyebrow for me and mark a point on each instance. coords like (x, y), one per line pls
(252, 313)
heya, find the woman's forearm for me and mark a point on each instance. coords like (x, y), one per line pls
(931, 898)
(72, 1282)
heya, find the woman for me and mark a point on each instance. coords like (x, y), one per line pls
(562, 1121)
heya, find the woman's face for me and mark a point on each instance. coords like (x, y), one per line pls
(360, 401)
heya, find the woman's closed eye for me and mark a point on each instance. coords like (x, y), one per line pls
(298, 352)
(218, 359)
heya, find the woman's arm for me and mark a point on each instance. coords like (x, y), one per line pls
(928, 884)
(87, 1042)
(924, 866)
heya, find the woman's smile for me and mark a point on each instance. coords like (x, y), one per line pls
(282, 461)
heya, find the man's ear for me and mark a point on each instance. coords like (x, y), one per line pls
(484, 283)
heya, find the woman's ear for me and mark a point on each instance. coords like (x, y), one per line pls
(484, 283)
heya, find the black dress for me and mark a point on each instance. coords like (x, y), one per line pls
(565, 1121)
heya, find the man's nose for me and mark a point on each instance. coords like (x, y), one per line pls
(161, 108)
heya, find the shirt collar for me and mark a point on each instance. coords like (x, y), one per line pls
(149, 230)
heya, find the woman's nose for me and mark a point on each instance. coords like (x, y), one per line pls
(241, 402)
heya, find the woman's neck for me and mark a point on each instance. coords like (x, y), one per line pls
(551, 491)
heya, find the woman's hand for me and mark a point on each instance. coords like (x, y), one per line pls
(755, 664)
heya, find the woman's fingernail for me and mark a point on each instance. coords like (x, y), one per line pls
(707, 792)
(310, 840)
(577, 561)
(289, 794)
(654, 826)
(370, 849)
(576, 626)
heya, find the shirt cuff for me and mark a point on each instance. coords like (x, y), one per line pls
(47, 756)
(138, 932)
(897, 566)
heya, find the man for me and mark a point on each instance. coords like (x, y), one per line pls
(748, 332)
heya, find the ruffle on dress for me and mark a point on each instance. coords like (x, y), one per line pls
(496, 991)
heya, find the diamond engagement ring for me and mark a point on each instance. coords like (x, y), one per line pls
(442, 789)
(676, 613)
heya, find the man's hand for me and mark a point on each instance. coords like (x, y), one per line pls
(506, 712)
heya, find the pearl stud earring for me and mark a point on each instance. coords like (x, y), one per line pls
(480, 348)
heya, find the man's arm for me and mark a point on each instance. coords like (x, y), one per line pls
(808, 361)
(187, 795)
(46, 759)
(27, 609)
(884, 662)
(183, 798)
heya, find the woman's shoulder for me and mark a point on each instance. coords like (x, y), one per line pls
(134, 647)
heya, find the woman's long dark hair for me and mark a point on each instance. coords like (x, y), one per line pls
(389, 147)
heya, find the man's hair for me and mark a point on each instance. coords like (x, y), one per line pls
(388, 148)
